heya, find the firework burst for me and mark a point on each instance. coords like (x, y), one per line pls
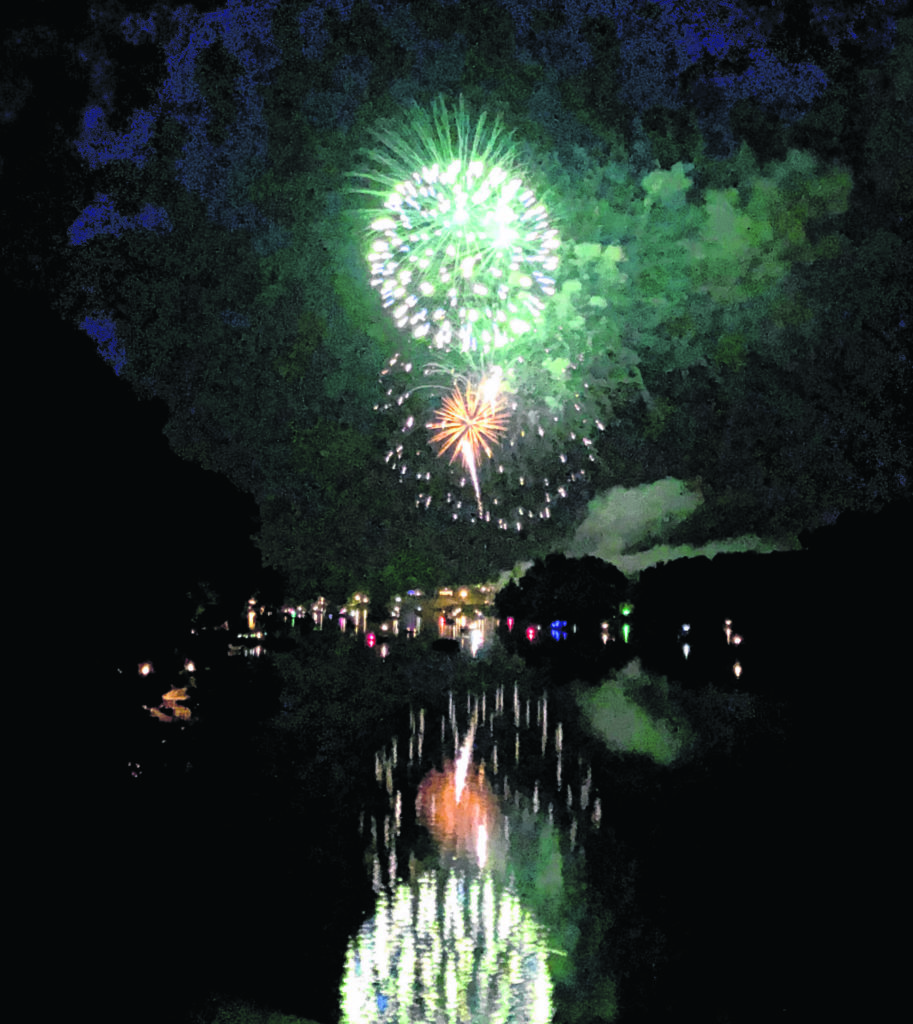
(532, 461)
(469, 423)
(463, 253)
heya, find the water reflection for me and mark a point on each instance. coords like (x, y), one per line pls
(451, 947)
(472, 630)
(474, 860)
(172, 707)
(459, 808)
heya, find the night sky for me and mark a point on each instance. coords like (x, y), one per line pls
(128, 514)
(164, 427)
(775, 423)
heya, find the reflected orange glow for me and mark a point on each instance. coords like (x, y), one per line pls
(176, 694)
(460, 811)
(171, 709)
(161, 716)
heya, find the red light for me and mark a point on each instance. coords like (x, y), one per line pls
(531, 633)
(370, 639)
(510, 623)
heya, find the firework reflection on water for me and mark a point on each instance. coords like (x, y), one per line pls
(452, 939)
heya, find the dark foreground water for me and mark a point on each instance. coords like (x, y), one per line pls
(440, 839)
(532, 862)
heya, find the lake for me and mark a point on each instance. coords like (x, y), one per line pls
(505, 849)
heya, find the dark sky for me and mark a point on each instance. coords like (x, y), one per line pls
(121, 527)
(126, 508)
(117, 514)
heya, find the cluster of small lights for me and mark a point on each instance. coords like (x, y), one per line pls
(732, 639)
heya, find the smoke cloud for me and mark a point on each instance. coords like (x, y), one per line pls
(620, 519)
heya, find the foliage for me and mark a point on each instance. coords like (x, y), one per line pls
(584, 591)
(738, 318)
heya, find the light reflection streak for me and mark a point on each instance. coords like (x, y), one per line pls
(449, 948)
(450, 945)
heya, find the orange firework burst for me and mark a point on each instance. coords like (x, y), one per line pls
(469, 423)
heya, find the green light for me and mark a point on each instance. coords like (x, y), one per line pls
(614, 714)
(626, 607)
(479, 245)
(626, 631)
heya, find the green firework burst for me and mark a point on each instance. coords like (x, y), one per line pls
(462, 252)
